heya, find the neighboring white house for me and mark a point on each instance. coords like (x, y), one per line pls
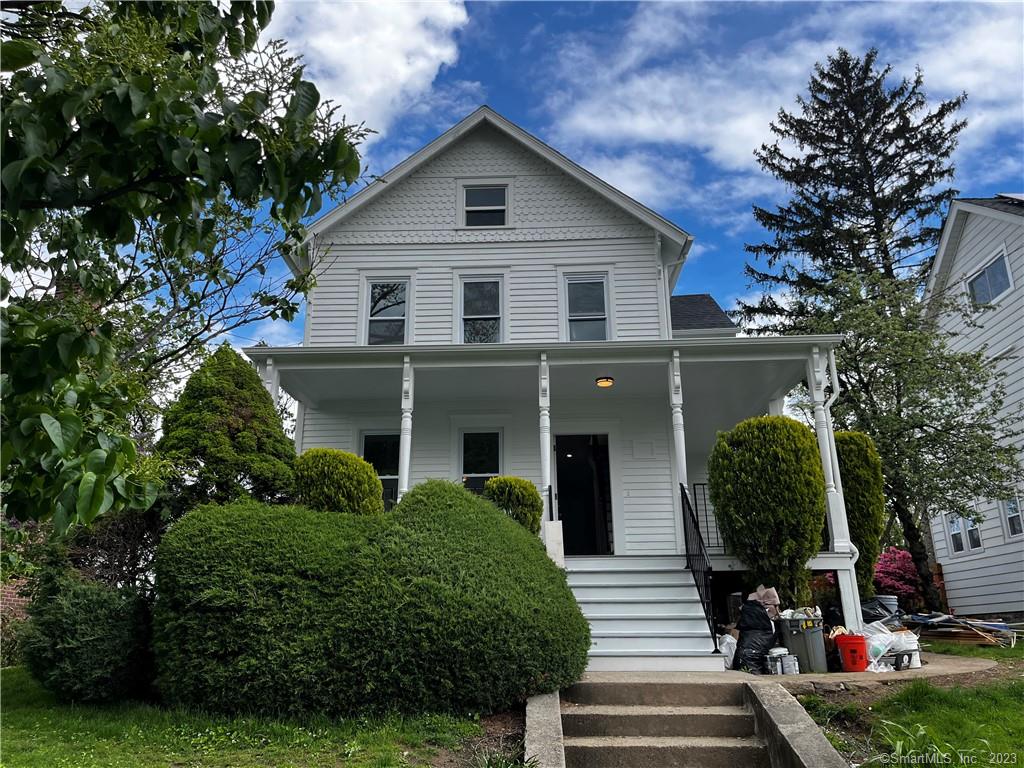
(489, 307)
(981, 257)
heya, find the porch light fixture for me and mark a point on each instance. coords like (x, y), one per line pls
(604, 382)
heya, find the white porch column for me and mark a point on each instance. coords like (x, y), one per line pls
(272, 381)
(405, 434)
(675, 389)
(544, 403)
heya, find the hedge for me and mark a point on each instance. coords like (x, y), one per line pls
(443, 604)
(768, 491)
(517, 497)
(860, 469)
(337, 481)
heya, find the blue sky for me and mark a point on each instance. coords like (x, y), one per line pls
(666, 101)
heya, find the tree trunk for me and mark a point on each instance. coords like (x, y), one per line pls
(919, 552)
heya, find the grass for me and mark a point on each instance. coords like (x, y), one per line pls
(40, 733)
(976, 651)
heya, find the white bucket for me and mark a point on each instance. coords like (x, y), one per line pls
(891, 602)
(790, 665)
(915, 660)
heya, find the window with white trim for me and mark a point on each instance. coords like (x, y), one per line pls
(388, 302)
(586, 301)
(1012, 512)
(481, 310)
(381, 451)
(964, 534)
(480, 456)
(990, 283)
(485, 205)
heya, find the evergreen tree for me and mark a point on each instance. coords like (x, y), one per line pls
(226, 437)
(867, 165)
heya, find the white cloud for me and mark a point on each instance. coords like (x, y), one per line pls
(377, 60)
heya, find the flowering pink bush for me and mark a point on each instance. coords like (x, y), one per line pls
(895, 574)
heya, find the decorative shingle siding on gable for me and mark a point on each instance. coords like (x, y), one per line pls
(546, 203)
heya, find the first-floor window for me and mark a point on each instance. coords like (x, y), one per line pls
(963, 533)
(481, 458)
(587, 304)
(387, 313)
(381, 451)
(1011, 508)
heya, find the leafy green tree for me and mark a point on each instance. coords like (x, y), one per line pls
(867, 164)
(157, 160)
(863, 492)
(225, 438)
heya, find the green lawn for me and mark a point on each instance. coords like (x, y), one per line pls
(39, 733)
(976, 651)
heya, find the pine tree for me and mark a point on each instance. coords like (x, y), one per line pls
(226, 437)
(867, 165)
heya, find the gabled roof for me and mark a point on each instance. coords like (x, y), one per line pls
(698, 312)
(668, 231)
(1005, 207)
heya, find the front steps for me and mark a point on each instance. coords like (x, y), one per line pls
(659, 725)
(644, 612)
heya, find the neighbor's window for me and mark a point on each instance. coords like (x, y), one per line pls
(486, 206)
(1011, 507)
(958, 527)
(386, 323)
(481, 458)
(381, 451)
(586, 300)
(481, 310)
(989, 284)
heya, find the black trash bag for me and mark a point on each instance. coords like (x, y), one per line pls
(757, 637)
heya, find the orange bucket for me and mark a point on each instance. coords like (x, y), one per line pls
(853, 652)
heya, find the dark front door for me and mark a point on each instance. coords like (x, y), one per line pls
(584, 494)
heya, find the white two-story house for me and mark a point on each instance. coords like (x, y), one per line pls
(981, 259)
(489, 307)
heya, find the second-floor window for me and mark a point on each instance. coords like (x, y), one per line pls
(481, 310)
(989, 284)
(963, 533)
(388, 302)
(486, 206)
(587, 306)
(1014, 524)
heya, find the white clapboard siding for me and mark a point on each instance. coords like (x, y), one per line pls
(989, 580)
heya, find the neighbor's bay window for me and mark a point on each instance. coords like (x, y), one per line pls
(481, 310)
(481, 458)
(989, 284)
(387, 314)
(587, 307)
(485, 206)
(381, 451)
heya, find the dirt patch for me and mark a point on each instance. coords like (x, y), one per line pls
(503, 734)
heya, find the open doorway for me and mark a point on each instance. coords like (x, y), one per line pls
(583, 482)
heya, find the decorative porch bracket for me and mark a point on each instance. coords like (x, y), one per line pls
(405, 434)
(271, 379)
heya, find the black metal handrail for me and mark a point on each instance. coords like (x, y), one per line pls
(551, 506)
(698, 562)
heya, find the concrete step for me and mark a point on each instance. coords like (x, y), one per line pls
(641, 660)
(612, 590)
(674, 576)
(665, 752)
(655, 694)
(623, 562)
(633, 640)
(613, 720)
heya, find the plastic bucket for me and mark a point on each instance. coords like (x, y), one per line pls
(853, 652)
(891, 602)
(790, 665)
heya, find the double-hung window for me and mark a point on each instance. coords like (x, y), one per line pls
(586, 298)
(485, 205)
(989, 284)
(386, 323)
(963, 533)
(481, 310)
(381, 451)
(1014, 523)
(481, 458)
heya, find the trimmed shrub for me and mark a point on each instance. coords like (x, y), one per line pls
(768, 491)
(860, 468)
(11, 629)
(87, 642)
(443, 604)
(518, 498)
(338, 481)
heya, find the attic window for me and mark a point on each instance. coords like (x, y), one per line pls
(486, 206)
(990, 283)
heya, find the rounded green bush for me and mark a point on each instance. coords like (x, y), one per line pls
(768, 491)
(87, 642)
(518, 498)
(443, 604)
(860, 469)
(338, 481)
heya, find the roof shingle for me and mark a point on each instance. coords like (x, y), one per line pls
(698, 311)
